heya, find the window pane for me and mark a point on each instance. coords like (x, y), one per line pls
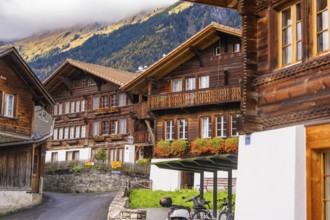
(122, 126)
(96, 128)
(105, 101)
(122, 99)
(72, 107)
(113, 100)
(55, 133)
(77, 106)
(286, 36)
(286, 18)
(286, 55)
(298, 12)
(105, 127)
(321, 4)
(169, 129)
(183, 129)
(204, 82)
(67, 107)
(299, 36)
(77, 132)
(9, 105)
(83, 102)
(177, 85)
(234, 125)
(60, 133)
(83, 131)
(66, 133)
(96, 103)
(60, 108)
(322, 41)
(55, 109)
(114, 126)
(299, 50)
(71, 132)
(327, 210)
(190, 84)
(322, 21)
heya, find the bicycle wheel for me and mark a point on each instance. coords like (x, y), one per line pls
(223, 216)
(201, 215)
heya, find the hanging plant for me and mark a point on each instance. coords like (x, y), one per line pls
(162, 148)
(217, 145)
(200, 146)
(232, 145)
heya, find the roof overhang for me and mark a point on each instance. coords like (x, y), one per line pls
(219, 3)
(223, 162)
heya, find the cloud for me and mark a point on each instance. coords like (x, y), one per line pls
(22, 18)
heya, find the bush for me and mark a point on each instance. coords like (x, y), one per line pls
(101, 155)
(77, 169)
(142, 161)
(165, 148)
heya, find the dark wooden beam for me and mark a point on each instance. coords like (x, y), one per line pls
(67, 82)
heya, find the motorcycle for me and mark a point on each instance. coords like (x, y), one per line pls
(177, 212)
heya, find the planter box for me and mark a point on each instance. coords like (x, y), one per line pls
(72, 142)
(99, 139)
(116, 137)
(56, 143)
(71, 116)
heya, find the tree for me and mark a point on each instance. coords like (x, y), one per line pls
(100, 155)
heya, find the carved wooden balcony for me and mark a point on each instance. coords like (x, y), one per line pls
(141, 137)
(195, 98)
(140, 110)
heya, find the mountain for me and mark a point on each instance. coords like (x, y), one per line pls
(137, 41)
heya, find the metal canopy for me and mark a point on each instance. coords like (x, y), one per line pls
(223, 162)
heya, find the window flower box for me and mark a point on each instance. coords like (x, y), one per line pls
(176, 148)
(73, 115)
(213, 146)
(99, 138)
(116, 136)
(56, 143)
(107, 110)
(72, 142)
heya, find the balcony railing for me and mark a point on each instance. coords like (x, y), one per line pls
(141, 137)
(191, 98)
(141, 110)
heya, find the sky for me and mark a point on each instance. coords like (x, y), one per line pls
(23, 18)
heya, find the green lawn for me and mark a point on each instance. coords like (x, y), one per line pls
(144, 198)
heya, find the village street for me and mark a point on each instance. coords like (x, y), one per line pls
(84, 206)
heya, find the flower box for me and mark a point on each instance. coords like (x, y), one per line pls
(72, 142)
(116, 136)
(107, 110)
(72, 116)
(99, 138)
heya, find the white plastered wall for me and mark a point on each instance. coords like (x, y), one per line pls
(163, 179)
(84, 154)
(271, 177)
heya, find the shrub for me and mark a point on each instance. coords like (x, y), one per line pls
(101, 155)
(200, 146)
(77, 169)
(116, 164)
(232, 145)
(143, 161)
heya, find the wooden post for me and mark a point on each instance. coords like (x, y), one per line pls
(230, 192)
(201, 190)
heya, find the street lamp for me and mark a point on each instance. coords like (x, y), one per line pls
(130, 139)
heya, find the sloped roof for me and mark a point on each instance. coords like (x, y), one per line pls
(181, 54)
(219, 3)
(118, 77)
(10, 54)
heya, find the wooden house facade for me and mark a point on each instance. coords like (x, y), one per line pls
(285, 47)
(91, 113)
(194, 92)
(24, 129)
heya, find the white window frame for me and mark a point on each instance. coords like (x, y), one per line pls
(55, 108)
(96, 103)
(96, 128)
(221, 126)
(206, 127)
(169, 129)
(83, 104)
(66, 133)
(72, 132)
(177, 85)
(184, 126)
(78, 106)
(9, 107)
(325, 28)
(60, 109)
(83, 131)
(190, 83)
(204, 82)
(72, 109)
(122, 125)
(236, 47)
(67, 108)
(55, 134)
(233, 119)
(77, 134)
(60, 133)
(122, 99)
(114, 125)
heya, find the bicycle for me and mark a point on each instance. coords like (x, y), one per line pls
(200, 211)
(226, 213)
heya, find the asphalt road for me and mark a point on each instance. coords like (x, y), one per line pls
(59, 206)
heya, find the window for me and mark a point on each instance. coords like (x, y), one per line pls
(221, 126)
(72, 107)
(122, 126)
(55, 109)
(290, 35)
(54, 157)
(113, 100)
(176, 85)
(114, 127)
(169, 130)
(55, 134)
(60, 133)
(83, 103)
(322, 25)
(67, 108)
(71, 132)
(204, 82)
(236, 47)
(66, 133)
(96, 103)
(104, 101)
(183, 129)
(190, 83)
(234, 125)
(9, 105)
(83, 131)
(72, 155)
(77, 132)
(60, 109)
(217, 51)
(206, 127)
(96, 128)
(122, 99)
(105, 127)
(77, 106)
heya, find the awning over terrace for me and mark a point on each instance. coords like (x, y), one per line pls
(224, 162)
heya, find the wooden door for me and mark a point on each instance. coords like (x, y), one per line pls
(35, 169)
(318, 172)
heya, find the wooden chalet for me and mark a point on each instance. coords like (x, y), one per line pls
(286, 76)
(24, 129)
(194, 91)
(91, 113)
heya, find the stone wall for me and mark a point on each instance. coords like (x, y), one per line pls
(13, 200)
(119, 208)
(87, 181)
